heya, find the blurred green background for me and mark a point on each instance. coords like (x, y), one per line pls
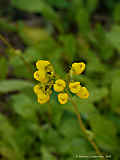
(61, 31)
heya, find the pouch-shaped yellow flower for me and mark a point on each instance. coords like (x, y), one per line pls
(63, 98)
(41, 64)
(59, 85)
(40, 75)
(83, 93)
(74, 87)
(43, 98)
(49, 70)
(78, 68)
(37, 89)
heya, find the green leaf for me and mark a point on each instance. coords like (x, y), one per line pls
(24, 106)
(59, 3)
(48, 137)
(80, 146)
(14, 85)
(32, 35)
(84, 106)
(114, 37)
(96, 94)
(7, 132)
(105, 132)
(116, 13)
(19, 67)
(77, 145)
(5, 25)
(39, 6)
(46, 154)
(32, 6)
(69, 122)
(115, 92)
(41, 51)
(5, 126)
(25, 136)
(91, 5)
(82, 19)
(70, 46)
(105, 50)
(4, 65)
(95, 64)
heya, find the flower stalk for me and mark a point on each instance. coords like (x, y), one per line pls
(83, 128)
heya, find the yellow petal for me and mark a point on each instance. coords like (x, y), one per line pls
(78, 68)
(43, 98)
(41, 64)
(40, 76)
(74, 87)
(83, 93)
(37, 89)
(63, 98)
(59, 85)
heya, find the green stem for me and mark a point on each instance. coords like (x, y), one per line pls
(5, 41)
(14, 51)
(82, 126)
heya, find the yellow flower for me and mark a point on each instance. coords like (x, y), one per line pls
(41, 64)
(46, 67)
(49, 70)
(74, 87)
(40, 75)
(78, 68)
(63, 98)
(37, 89)
(83, 93)
(43, 98)
(59, 85)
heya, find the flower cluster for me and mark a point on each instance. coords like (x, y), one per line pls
(49, 83)
(45, 76)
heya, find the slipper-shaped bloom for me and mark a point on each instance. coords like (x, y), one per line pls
(41, 64)
(74, 87)
(43, 98)
(40, 75)
(59, 85)
(63, 98)
(37, 89)
(83, 93)
(78, 68)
